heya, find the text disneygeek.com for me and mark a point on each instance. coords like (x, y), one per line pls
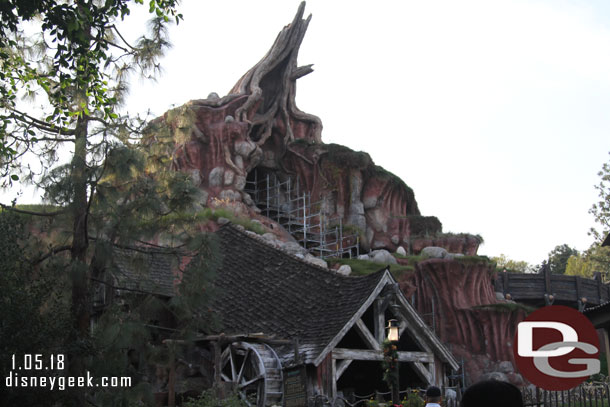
(27, 372)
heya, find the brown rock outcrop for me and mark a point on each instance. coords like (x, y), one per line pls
(220, 142)
(257, 130)
(467, 314)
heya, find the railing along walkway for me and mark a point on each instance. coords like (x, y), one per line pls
(546, 289)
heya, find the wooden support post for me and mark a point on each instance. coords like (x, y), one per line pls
(505, 289)
(396, 386)
(297, 356)
(598, 279)
(171, 385)
(606, 340)
(379, 320)
(217, 367)
(334, 379)
(547, 279)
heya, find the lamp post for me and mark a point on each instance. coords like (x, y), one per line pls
(393, 336)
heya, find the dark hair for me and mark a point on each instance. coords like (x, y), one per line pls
(492, 393)
(433, 392)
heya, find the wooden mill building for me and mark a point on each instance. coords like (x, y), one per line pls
(292, 333)
(332, 325)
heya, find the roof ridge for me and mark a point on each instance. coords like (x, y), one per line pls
(259, 239)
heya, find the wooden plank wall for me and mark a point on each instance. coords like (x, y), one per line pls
(564, 288)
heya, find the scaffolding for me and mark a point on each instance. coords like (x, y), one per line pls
(291, 207)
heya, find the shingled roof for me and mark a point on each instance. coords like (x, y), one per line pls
(261, 289)
(147, 271)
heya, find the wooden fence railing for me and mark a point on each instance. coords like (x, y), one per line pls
(546, 289)
(586, 395)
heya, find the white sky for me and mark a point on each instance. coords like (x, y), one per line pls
(496, 113)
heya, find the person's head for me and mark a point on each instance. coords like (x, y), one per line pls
(492, 393)
(433, 394)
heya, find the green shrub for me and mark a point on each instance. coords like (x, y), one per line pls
(505, 307)
(365, 267)
(208, 399)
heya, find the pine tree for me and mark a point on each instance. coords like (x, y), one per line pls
(78, 71)
(33, 319)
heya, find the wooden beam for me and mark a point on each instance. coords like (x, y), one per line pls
(366, 335)
(598, 279)
(404, 325)
(387, 278)
(377, 355)
(547, 279)
(334, 377)
(379, 319)
(423, 372)
(342, 365)
(424, 335)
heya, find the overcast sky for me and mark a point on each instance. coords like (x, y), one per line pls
(494, 112)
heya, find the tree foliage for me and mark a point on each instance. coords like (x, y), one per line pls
(77, 71)
(33, 316)
(515, 266)
(77, 67)
(558, 258)
(601, 209)
(594, 260)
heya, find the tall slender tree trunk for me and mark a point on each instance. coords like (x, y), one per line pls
(80, 280)
(79, 270)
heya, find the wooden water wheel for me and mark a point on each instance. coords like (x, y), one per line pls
(255, 372)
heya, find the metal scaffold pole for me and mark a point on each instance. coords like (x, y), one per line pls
(304, 221)
(289, 206)
(292, 207)
(268, 190)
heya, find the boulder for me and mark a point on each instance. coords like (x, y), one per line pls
(229, 177)
(223, 221)
(292, 248)
(383, 257)
(433, 252)
(344, 270)
(270, 237)
(240, 182)
(315, 261)
(499, 376)
(215, 179)
(506, 367)
(401, 250)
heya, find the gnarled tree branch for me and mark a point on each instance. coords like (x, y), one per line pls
(271, 89)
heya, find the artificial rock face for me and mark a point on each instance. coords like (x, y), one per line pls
(258, 128)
